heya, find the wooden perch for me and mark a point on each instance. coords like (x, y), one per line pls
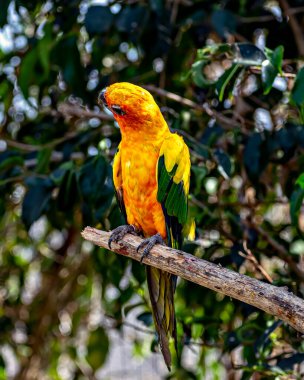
(274, 300)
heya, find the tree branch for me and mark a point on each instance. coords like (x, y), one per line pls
(190, 103)
(294, 25)
(68, 109)
(276, 301)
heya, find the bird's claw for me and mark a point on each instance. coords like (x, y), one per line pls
(149, 243)
(119, 232)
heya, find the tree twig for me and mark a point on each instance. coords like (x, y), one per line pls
(282, 252)
(271, 299)
(68, 109)
(175, 97)
(190, 103)
(250, 256)
(267, 18)
(294, 25)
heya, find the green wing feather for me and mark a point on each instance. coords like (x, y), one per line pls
(173, 172)
(173, 186)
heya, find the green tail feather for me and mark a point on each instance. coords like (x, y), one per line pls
(161, 287)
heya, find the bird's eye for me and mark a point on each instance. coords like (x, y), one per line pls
(117, 109)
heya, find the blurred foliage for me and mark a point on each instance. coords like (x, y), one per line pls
(239, 64)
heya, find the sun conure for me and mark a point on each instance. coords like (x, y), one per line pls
(151, 172)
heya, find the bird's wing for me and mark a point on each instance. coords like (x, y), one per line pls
(173, 176)
(117, 179)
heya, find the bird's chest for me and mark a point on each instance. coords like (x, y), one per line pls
(140, 189)
(139, 172)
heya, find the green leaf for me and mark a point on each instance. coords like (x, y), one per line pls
(98, 20)
(66, 56)
(44, 157)
(157, 5)
(223, 22)
(242, 54)
(28, 71)
(105, 201)
(297, 93)
(98, 347)
(247, 54)
(200, 173)
(218, 49)
(96, 188)
(92, 177)
(268, 75)
(35, 66)
(197, 330)
(296, 201)
(3, 375)
(300, 181)
(271, 67)
(224, 163)
(131, 19)
(36, 199)
(247, 332)
(44, 47)
(224, 80)
(196, 18)
(276, 57)
(9, 160)
(256, 155)
(264, 341)
(198, 76)
(68, 191)
(146, 318)
(6, 92)
(138, 272)
(58, 174)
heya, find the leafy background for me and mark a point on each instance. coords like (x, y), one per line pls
(227, 76)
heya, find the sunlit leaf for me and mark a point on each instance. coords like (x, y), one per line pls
(271, 67)
(225, 79)
(198, 76)
(300, 181)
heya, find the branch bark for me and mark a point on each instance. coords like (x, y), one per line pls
(276, 301)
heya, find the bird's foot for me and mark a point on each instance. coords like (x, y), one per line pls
(149, 243)
(119, 232)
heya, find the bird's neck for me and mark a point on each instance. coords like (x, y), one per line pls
(144, 132)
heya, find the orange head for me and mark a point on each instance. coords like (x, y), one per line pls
(133, 108)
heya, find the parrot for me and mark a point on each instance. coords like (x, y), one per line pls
(151, 176)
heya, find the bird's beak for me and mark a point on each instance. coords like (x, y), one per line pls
(102, 97)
